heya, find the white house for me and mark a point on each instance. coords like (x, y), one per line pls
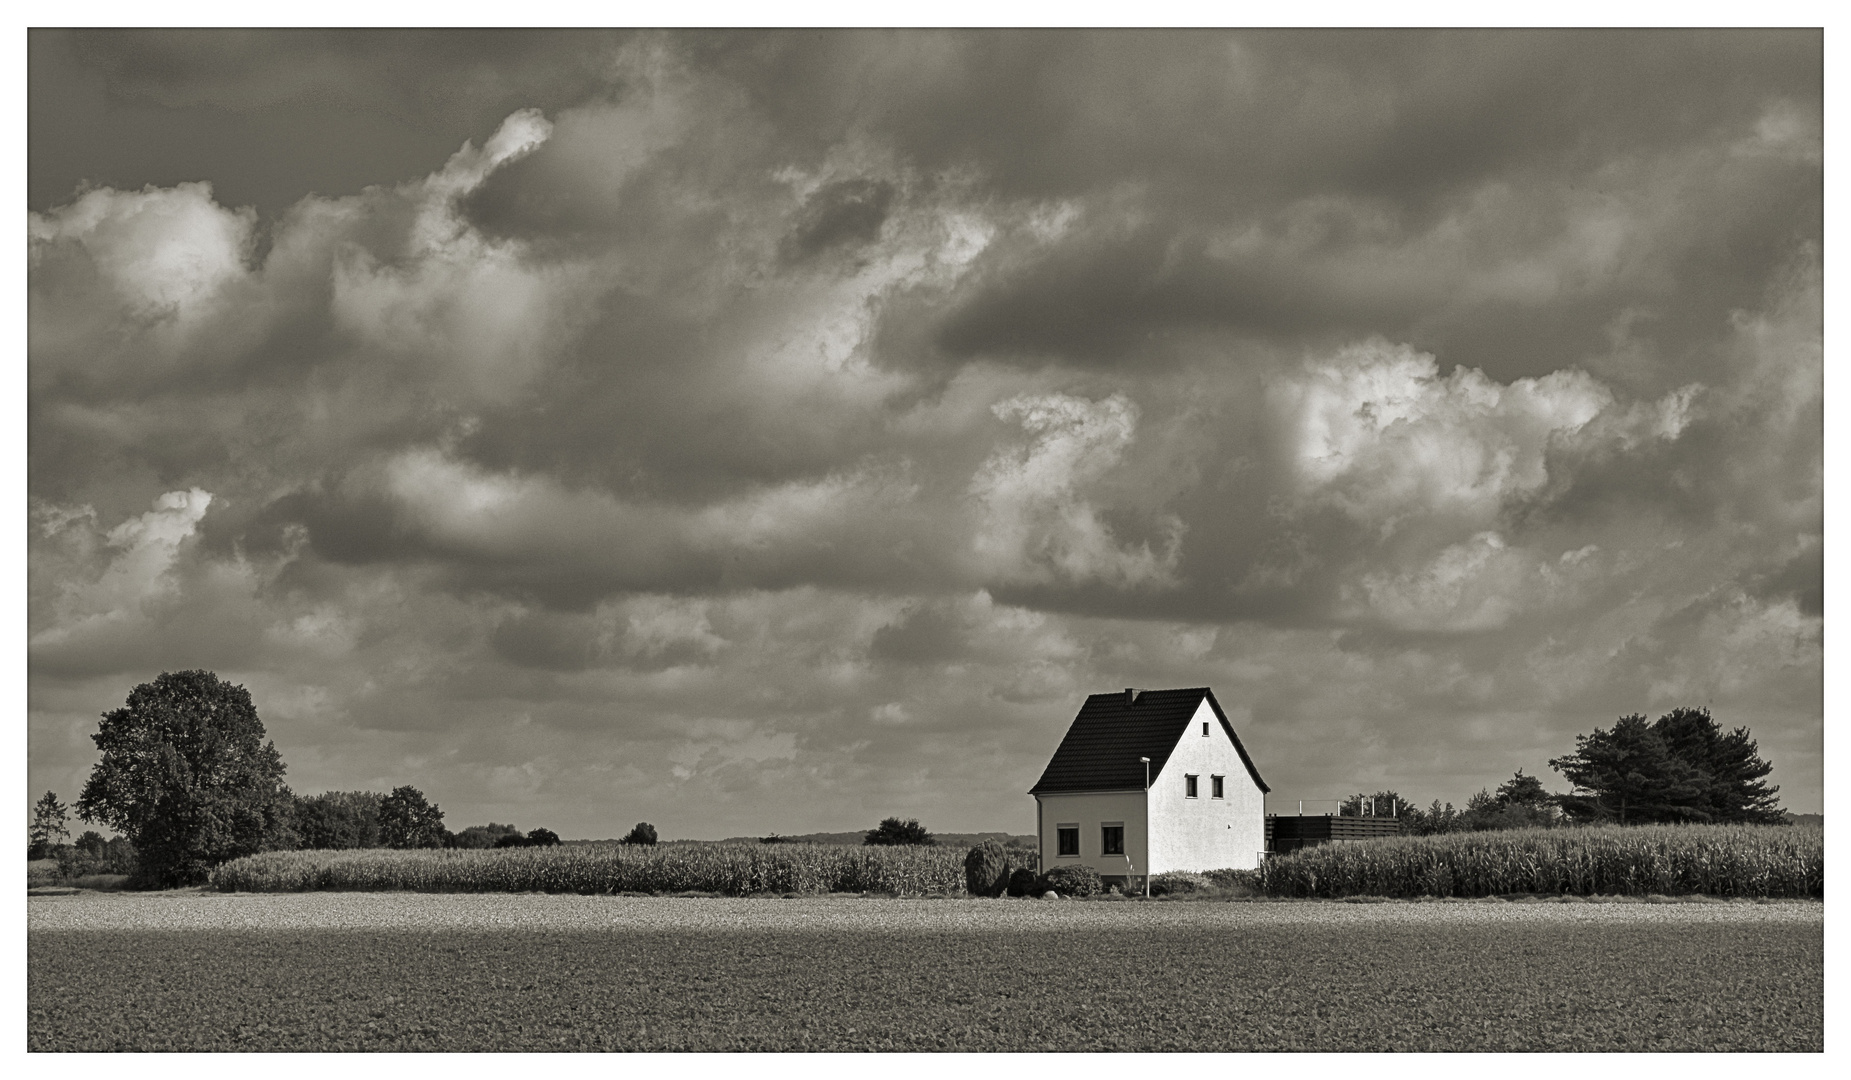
(1203, 807)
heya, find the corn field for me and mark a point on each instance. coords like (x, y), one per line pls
(1718, 860)
(727, 869)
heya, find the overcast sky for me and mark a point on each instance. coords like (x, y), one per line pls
(778, 431)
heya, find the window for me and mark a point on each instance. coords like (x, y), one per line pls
(1069, 839)
(1214, 786)
(1189, 785)
(1112, 839)
(1205, 729)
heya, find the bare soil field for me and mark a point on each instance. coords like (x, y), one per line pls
(403, 971)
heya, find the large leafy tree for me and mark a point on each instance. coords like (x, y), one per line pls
(894, 833)
(1681, 768)
(48, 830)
(187, 776)
(408, 820)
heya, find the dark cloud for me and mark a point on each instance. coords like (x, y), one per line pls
(595, 427)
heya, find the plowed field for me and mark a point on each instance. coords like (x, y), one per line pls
(527, 972)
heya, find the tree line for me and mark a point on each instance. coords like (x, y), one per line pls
(1682, 768)
(188, 779)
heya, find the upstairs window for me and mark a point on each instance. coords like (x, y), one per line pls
(1205, 729)
(1069, 839)
(1112, 839)
(1214, 786)
(1189, 785)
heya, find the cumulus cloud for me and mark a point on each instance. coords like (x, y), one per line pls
(1038, 524)
(1377, 431)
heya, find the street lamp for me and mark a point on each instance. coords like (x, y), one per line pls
(1146, 762)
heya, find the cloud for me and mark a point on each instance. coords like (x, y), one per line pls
(1377, 431)
(1037, 524)
(690, 427)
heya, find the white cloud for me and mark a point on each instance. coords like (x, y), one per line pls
(1036, 523)
(166, 252)
(1376, 431)
(146, 548)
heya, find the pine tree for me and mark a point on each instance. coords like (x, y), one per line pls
(1681, 768)
(47, 831)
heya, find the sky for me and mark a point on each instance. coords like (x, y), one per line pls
(778, 431)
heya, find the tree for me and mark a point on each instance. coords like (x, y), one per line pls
(1731, 761)
(1381, 804)
(1682, 768)
(1522, 790)
(892, 832)
(407, 820)
(187, 777)
(339, 820)
(644, 833)
(484, 836)
(47, 831)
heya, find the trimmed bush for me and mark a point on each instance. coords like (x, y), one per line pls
(987, 869)
(1022, 883)
(1073, 881)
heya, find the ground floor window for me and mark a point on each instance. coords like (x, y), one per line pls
(1112, 839)
(1069, 839)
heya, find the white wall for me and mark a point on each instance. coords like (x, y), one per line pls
(1206, 833)
(1090, 812)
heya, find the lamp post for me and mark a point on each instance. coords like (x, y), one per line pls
(1146, 762)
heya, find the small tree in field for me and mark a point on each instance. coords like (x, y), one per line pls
(893, 832)
(644, 833)
(187, 777)
(47, 831)
(408, 820)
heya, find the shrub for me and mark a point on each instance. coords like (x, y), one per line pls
(92, 855)
(1072, 881)
(987, 869)
(644, 833)
(1179, 883)
(1238, 882)
(1022, 883)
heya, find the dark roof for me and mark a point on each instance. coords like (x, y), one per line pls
(1102, 748)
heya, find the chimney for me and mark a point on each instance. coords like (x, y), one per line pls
(1131, 695)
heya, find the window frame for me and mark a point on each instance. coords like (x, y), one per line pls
(1106, 828)
(1061, 832)
(1191, 786)
(1217, 786)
